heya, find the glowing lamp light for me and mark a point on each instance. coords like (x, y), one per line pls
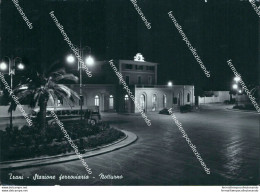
(20, 66)
(170, 84)
(70, 59)
(235, 86)
(237, 79)
(89, 61)
(3, 66)
(240, 91)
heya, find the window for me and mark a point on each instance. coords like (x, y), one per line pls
(59, 103)
(111, 102)
(142, 102)
(164, 101)
(149, 80)
(96, 100)
(126, 103)
(128, 66)
(139, 80)
(139, 67)
(127, 79)
(154, 102)
(150, 68)
(188, 98)
(175, 100)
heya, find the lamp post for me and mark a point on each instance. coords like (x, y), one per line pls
(11, 71)
(235, 87)
(170, 84)
(89, 61)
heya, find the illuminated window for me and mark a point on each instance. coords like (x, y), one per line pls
(154, 101)
(96, 100)
(142, 102)
(164, 101)
(111, 102)
(58, 102)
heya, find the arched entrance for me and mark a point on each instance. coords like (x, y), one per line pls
(154, 104)
(143, 102)
(164, 101)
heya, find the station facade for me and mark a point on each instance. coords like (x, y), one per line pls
(141, 78)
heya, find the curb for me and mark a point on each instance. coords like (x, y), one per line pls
(127, 140)
(243, 111)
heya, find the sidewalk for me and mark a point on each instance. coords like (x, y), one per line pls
(225, 107)
(243, 111)
(130, 138)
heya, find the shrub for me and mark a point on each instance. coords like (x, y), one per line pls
(249, 106)
(28, 143)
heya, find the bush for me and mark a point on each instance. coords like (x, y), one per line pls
(28, 143)
(247, 106)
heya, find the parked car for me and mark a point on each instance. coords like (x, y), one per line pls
(185, 108)
(164, 112)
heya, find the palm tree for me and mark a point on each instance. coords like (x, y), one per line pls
(255, 90)
(38, 89)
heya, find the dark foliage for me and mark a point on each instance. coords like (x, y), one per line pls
(28, 143)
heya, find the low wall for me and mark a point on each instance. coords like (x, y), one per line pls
(218, 97)
(16, 113)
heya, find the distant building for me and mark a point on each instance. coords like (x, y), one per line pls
(141, 77)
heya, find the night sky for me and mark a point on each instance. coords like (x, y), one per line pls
(219, 30)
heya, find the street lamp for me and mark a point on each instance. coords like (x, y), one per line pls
(3, 66)
(70, 59)
(89, 61)
(20, 66)
(170, 84)
(236, 88)
(11, 71)
(237, 79)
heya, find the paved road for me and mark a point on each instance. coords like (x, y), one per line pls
(227, 141)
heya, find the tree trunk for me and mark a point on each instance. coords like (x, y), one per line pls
(42, 116)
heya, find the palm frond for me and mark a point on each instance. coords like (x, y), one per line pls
(52, 96)
(63, 96)
(69, 77)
